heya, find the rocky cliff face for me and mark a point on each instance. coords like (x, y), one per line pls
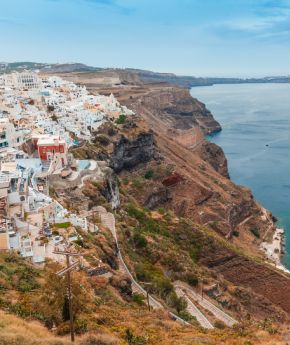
(215, 156)
(128, 154)
(176, 106)
(191, 182)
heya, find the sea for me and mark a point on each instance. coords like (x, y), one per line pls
(256, 140)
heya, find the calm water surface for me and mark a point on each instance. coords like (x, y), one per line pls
(253, 116)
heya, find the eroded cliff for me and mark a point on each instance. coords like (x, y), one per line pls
(165, 164)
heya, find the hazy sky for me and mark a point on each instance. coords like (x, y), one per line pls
(195, 37)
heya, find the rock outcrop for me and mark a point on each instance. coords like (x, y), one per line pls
(215, 156)
(157, 198)
(110, 189)
(128, 154)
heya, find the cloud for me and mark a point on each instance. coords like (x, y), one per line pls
(270, 19)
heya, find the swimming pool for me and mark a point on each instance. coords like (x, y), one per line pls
(84, 164)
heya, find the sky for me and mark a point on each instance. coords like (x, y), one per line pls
(187, 37)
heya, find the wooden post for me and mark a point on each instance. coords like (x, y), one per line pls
(69, 287)
(67, 270)
(148, 301)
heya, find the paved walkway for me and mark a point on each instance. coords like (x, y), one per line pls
(108, 220)
(206, 304)
(193, 310)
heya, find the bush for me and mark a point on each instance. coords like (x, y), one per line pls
(194, 253)
(121, 119)
(138, 298)
(160, 284)
(137, 183)
(185, 315)
(64, 225)
(178, 303)
(255, 231)
(268, 326)
(103, 140)
(101, 339)
(236, 233)
(149, 174)
(81, 326)
(219, 324)
(133, 339)
(139, 240)
(192, 279)
(147, 223)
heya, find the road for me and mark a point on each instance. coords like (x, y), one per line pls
(206, 304)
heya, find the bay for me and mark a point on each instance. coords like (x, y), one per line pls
(256, 140)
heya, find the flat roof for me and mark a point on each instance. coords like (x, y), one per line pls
(3, 241)
(9, 166)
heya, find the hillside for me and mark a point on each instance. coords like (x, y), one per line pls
(168, 220)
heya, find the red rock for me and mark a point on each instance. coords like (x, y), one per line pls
(172, 180)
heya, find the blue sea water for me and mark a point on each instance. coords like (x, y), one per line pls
(256, 140)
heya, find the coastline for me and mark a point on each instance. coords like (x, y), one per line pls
(274, 249)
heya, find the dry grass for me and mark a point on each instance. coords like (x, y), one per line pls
(155, 328)
(15, 331)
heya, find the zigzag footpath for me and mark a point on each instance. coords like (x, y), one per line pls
(194, 311)
(206, 304)
(108, 220)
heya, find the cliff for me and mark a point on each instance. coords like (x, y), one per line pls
(180, 216)
(175, 107)
(128, 154)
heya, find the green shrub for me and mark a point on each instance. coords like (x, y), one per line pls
(81, 326)
(185, 315)
(219, 324)
(149, 174)
(267, 325)
(195, 253)
(159, 283)
(192, 279)
(137, 183)
(147, 223)
(139, 240)
(134, 339)
(64, 225)
(138, 298)
(121, 119)
(178, 303)
(236, 233)
(255, 231)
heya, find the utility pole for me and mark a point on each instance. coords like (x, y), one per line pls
(67, 270)
(148, 301)
(147, 295)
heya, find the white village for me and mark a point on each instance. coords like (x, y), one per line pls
(40, 119)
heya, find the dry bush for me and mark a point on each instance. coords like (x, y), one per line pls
(102, 339)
